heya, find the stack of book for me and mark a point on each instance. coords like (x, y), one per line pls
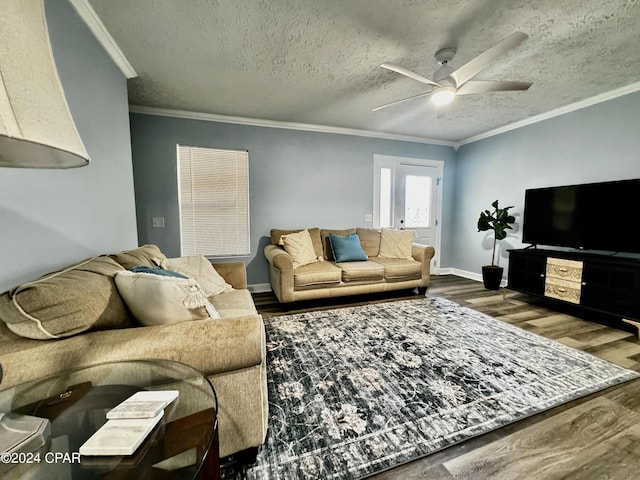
(129, 423)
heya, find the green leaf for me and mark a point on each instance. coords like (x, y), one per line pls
(499, 220)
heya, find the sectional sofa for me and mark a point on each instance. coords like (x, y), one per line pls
(77, 317)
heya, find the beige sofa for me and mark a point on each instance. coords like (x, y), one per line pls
(230, 351)
(326, 278)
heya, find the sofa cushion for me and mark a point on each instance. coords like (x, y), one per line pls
(324, 234)
(300, 247)
(211, 346)
(347, 248)
(314, 233)
(361, 271)
(161, 300)
(147, 255)
(76, 299)
(319, 273)
(201, 270)
(370, 240)
(234, 303)
(398, 269)
(396, 243)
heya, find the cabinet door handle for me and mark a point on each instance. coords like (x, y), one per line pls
(542, 275)
(562, 290)
(563, 269)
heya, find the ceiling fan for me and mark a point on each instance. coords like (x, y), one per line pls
(448, 82)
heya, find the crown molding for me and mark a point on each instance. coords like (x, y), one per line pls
(257, 122)
(572, 107)
(210, 117)
(90, 17)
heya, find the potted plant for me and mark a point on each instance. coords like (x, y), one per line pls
(499, 221)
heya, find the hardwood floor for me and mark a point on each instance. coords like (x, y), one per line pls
(595, 437)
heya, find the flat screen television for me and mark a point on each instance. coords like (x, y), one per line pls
(593, 216)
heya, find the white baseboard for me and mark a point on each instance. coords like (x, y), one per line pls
(259, 288)
(443, 271)
(466, 274)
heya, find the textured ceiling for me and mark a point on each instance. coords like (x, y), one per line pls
(317, 61)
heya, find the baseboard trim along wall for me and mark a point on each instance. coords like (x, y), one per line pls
(466, 274)
(260, 288)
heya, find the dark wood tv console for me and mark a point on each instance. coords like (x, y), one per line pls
(605, 283)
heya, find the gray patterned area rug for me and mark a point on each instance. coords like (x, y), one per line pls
(359, 390)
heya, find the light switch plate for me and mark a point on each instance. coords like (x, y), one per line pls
(157, 222)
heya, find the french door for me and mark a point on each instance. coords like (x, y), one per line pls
(407, 195)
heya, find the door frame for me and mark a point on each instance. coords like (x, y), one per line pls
(392, 162)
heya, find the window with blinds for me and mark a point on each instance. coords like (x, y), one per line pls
(213, 195)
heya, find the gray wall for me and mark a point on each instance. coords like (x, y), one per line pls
(298, 179)
(51, 218)
(594, 144)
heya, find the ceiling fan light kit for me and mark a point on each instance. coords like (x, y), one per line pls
(448, 82)
(443, 95)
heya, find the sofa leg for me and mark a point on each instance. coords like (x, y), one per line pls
(422, 291)
(248, 456)
(234, 467)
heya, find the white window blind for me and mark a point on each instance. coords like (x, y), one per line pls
(213, 191)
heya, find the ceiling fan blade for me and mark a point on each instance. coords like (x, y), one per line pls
(408, 73)
(482, 61)
(399, 101)
(479, 86)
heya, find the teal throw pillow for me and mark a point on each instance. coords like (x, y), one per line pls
(157, 271)
(347, 248)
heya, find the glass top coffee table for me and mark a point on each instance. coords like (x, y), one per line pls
(184, 444)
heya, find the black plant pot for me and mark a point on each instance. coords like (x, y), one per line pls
(492, 276)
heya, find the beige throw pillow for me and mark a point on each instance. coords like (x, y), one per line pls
(76, 299)
(160, 300)
(300, 247)
(396, 243)
(148, 255)
(201, 270)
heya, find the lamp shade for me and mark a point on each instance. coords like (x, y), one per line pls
(36, 127)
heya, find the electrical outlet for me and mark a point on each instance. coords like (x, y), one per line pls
(368, 218)
(157, 222)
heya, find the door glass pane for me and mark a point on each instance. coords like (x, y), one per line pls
(417, 211)
(385, 197)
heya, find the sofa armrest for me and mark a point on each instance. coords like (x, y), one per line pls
(280, 272)
(423, 254)
(280, 259)
(234, 273)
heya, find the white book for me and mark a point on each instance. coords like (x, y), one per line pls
(120, 437)
(143, 404)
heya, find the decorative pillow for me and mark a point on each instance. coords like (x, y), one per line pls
(347, 249)
(158, 271)
(324, 235)
(300, 247)
(147, 255)
(161, 300)
(396, 243)
(61, 304)
(276, 238)
(201, 270)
